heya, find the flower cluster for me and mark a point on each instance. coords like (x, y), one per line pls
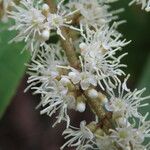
(98, 51)
(125, 137)
(44, 72)
(128, 136)
(126, 103)
(81, 137)
(35, 23)
(83, 32)
(93, 12)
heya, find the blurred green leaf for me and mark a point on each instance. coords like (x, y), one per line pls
(11, 66)
(145, 82)
(137, 30)
(145, 78)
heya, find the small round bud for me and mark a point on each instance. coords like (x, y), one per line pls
(81, 107)
(74, 77)
(65, 81)
(102, 98)
(82, 46)
(45, 7)
(72, 74)
(105, 100)
(92, 93)
(45, 34)
(147, 9)
(122, 121)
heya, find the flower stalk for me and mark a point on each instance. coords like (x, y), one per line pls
(67, 44)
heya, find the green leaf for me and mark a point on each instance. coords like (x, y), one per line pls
(145, 82)
(12, 66)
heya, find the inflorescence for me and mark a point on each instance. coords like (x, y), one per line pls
(83, 67)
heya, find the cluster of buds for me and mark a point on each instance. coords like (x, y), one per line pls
(82, 67)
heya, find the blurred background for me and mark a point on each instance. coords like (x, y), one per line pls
(21, 126)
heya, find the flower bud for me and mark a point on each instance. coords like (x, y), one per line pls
(103, 99)
(74, 77)
(81, 107)
(45, 34)
(80, 103)
(82, 46)
(45, 7)
(45, 10)
(65, 81)
(147, 9)
(92, 93)
(122, 121)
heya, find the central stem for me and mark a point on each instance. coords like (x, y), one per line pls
(67, 44)
(69, 48)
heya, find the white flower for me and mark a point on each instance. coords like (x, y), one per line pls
(34, 24)
(29, 22)
(44, 68)
(105, 143)
(44, 72)
(55, 97)
(60, 19)
(85, 79)
(105, 39)
(94, 12)
(132, 137)
(92, 93)
(98, 52)
(123, 136)
(145, 4)
(126, 103)
(81, 138)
